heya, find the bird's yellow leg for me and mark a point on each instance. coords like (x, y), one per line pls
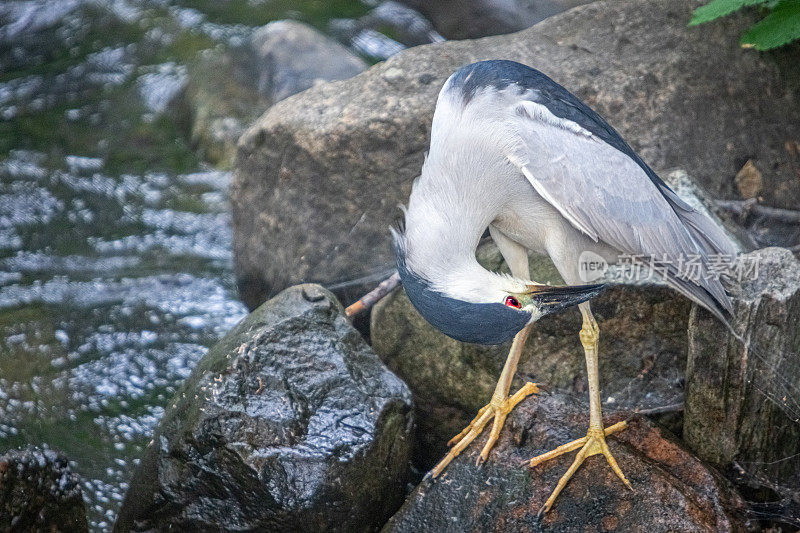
(595, 440)
(498, 408)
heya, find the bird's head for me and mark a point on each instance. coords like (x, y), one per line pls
(480, 306)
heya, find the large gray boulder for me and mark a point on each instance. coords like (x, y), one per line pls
(40, 492)
(229, 88)
(743, 403)
(292, 56)
(319, 176)
(290, 423)
(672, 490)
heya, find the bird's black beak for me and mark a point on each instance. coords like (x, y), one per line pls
(553, 299)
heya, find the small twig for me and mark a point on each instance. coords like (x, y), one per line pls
(743, 208)
(369, 278)
(674, 408)
(374, 296)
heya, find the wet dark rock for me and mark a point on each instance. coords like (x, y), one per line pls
(290, 423)
(672, 490)
(39, 492)
(468, 19)
(743, 405)
(319, 175)
(229, 89)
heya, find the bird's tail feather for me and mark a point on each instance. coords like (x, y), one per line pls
(706, 291)
(711, 241)
(707, 234)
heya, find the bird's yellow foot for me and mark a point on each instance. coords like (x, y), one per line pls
(498, 409)
(592, 444)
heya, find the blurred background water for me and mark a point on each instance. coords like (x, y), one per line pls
(115, 262)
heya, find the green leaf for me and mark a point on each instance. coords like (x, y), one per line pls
(778, 28)
(719, 8)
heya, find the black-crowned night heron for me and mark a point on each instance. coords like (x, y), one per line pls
(514, 151)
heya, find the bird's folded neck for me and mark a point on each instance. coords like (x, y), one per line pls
(441, 235)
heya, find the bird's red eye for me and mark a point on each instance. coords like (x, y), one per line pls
(512, 302)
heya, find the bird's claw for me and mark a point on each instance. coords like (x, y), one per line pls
(592, 444)
(498, 408)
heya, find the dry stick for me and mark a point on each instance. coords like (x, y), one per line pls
(746, 207)
(674, 408)
(372, 297)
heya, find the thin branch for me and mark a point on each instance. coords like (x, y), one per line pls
(374, 296)
(369, 278)
(743, 208)
(674, 408)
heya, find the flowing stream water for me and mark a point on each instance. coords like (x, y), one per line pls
(115, 261)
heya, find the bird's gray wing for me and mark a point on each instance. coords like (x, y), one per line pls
(607, 194)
